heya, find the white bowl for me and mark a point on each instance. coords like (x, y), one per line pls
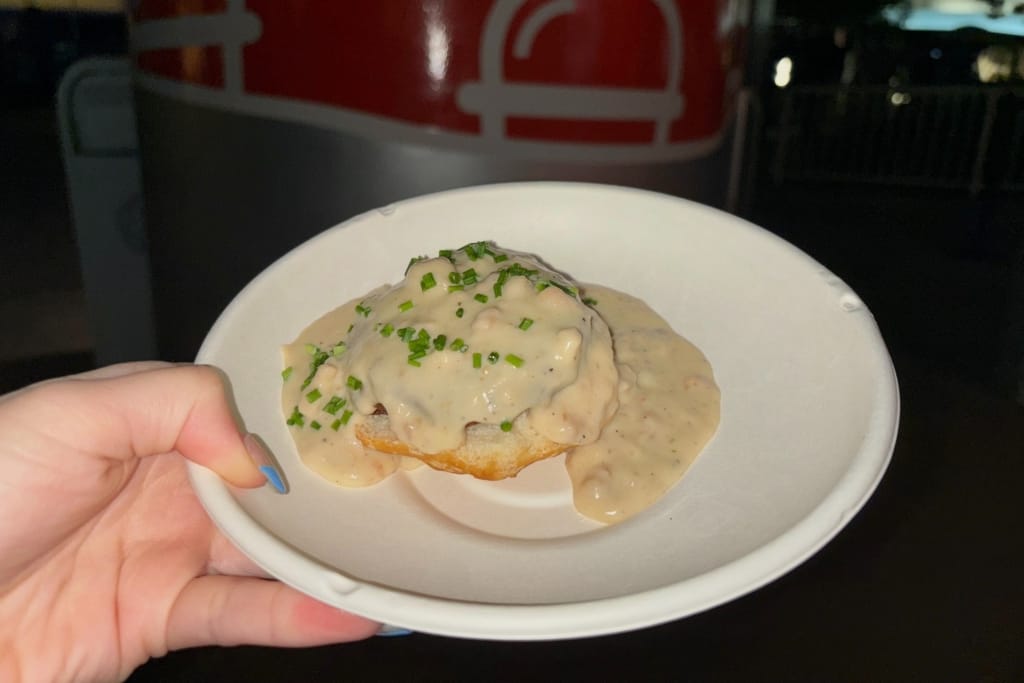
(809, 418)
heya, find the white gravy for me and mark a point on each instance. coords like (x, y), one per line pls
(668, 411)
(631, 425)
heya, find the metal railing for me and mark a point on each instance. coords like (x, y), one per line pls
(955, 137)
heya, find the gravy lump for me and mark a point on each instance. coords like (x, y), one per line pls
(487, 335)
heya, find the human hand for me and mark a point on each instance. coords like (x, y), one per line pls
(106, 556)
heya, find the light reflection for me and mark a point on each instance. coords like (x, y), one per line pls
(438, 45)
(783, 72)
(995, 63)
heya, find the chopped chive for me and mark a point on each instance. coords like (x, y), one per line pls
(334, 405)
(476, 360)
(525, 323)
(315, 425)
(427, 282)
(459, 345)
(439, 342)
(387, 330)
(493, 357)
(519, 270)
(541, 285)
(459, 312)
(514, 360)
(286, 373)
(498, 258)
(296, 417)
(482, 298)
(506, 426)
(345, 417)
(311, 349)
(445, 253)
(338, 349)
(416, 355)
(469, 277)
(405, 334)
(474, 250)
(336, 424)
(319, 358)
(454, 277)
(363, 310)
(497, 289)
(589, 301)
(571, 291)
(313, 396)
(414, 260)
(405, 305)
(413, 362)
(350, 328)
(456, 288)
(354, 383)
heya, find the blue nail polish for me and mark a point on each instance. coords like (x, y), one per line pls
(387, 631)
(265, 462)
(272, 475)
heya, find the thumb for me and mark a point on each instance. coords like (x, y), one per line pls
(162, 408)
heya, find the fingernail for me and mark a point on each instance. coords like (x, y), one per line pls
(388, 631)
(265, 462)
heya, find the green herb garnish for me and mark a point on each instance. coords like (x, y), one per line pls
(354, 384)
(286, 373)
(525, 323)
(506, 426)
(334, 405)
(387, 330)
(319, 358)
(493, 357)
(313, 396)
(296, 418)
(482, 298)
(427, 282)
(413, 261)
(315, 425)
(405, 305)
(363, 310)
(476, 360)
(514, 360)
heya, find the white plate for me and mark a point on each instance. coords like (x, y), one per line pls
(809, 418)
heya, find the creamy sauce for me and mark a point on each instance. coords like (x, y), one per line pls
(668, 410)
(633, 419)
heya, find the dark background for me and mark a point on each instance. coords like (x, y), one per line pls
(925, 583)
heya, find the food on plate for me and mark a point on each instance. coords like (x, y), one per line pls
(483, 360)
